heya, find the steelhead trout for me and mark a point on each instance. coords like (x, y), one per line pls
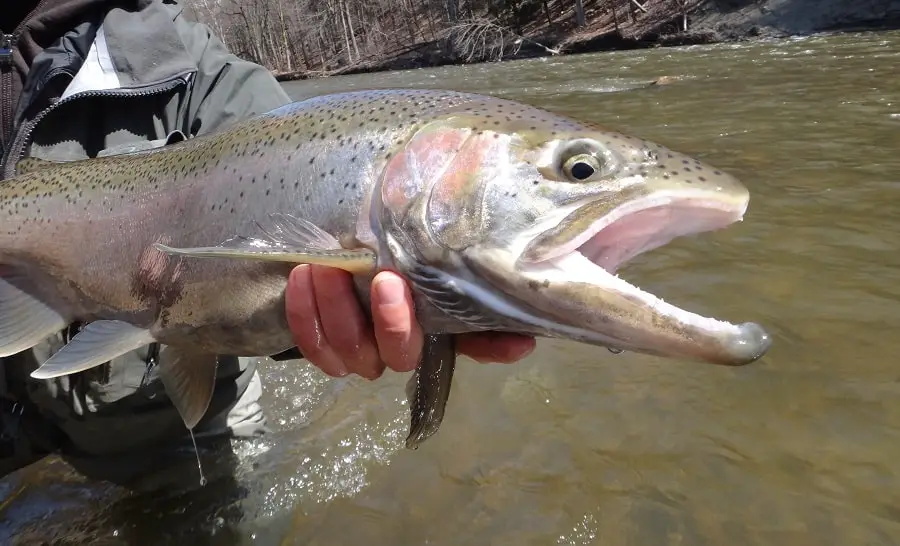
(501, 216)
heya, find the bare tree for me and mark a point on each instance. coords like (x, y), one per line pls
(296, 38)
(546, 6)
(580, 19)
(452, 10)
(683, 8)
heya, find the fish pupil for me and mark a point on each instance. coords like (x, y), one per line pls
(582, 170)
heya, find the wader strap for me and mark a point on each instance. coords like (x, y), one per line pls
(70, 332)
(152, 360)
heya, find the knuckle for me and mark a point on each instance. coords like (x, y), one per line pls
(368, 361)
(395, 332)
(315, 352)
(375, 373)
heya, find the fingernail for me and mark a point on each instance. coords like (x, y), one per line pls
(528, 351)
(390, 291)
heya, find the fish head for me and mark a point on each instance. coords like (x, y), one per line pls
(502, 210)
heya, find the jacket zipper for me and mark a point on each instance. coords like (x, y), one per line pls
(17, 148)
(7, 46)
(7, 43)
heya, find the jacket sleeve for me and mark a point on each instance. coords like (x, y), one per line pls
(225, 88)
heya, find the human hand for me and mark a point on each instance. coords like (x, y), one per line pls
(332, 331)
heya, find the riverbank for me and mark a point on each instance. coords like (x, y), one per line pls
(651, 23)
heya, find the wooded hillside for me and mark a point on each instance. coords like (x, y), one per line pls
(301, 38)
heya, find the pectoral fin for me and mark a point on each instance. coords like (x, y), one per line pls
(353, 261)
(286, 239)
(24, 319)
(99, 342)
(429, 388)
(189, 379)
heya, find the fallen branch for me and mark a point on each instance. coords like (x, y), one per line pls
(484, 39)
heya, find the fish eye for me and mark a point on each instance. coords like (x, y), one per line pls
(581, 167)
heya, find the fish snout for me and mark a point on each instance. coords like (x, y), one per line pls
(749, 343)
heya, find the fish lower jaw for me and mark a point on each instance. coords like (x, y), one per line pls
(628, 318)
(579, 268)
(576, 267)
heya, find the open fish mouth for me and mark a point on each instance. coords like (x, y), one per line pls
(634, 318)
(642, 225)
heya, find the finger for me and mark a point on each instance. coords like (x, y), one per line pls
(346, 327)
(495, 346)
(306, 327)
(398, 332)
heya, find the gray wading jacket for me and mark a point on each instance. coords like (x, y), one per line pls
(129, 75)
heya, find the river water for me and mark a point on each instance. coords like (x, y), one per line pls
(575, 445)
